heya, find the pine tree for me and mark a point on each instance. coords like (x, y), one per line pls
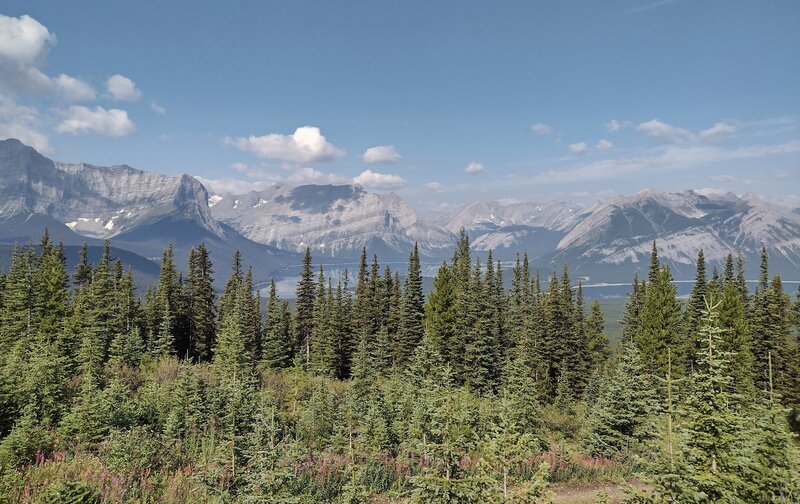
(127, 348)
(660, 324)
(772, 451)
(694, 308)
(655, 265)
(411, 312)
(96, 321)
(440, 313)
(202, 304)
(51, 292)
(83, 271)
(631, 318)
(769, 327)
(712, 463)
(598, 350)
(616, 419)
(227, 300)
(231, 355)
(362, 311)
(306, 296)
(736, 336)
(249, 310)
(275, 352)
(479, 355)
(18, 317)
(507, 447)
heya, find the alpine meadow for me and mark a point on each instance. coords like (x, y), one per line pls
(376, 252)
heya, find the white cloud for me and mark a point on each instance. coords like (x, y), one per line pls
(669, 158)
(23, 39)
(434, 187)
(604, 145)
(24, 44)
(386, 154)
(110, 123)
(718, 131)
(613, 125)
(259, 172)
(305, 145)
(26, 135)
(158, 109)
(578, 149)
(311, 176)
(541, 129)
(474, 168)
(73, 89)
(664, 131)
(374, 180)
(121, 88)
(24, 124)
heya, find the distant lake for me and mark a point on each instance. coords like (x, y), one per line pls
(287, 278)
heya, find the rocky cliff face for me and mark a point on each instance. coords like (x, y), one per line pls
(334, 220)
(94, 201)
(620, 231)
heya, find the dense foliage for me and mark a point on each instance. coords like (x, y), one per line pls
(368, 390)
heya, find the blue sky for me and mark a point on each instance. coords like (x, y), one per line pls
(457, 100)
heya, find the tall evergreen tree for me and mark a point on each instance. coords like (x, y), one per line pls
(83, 271)
(412, 309)
(694, 308)
(306, 296)
(598, 350)
(275, 352)
(631, 317)
(616, 419)
(202, 304)
(660, 324)
(440, 313)
(712, 464)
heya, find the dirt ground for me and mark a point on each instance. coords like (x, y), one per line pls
(587, 494)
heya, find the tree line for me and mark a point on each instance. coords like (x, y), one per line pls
(365, 386)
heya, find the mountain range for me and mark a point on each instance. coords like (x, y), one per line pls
(604, 242)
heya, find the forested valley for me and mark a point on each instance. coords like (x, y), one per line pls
(364, 389)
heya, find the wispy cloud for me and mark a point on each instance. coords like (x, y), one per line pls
(645, 7)
(667, 158)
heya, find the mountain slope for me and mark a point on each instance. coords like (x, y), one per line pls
(140, 211)
(334, 220)
(511, 227)
(616, 235)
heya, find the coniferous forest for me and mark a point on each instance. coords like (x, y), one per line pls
(364, 389)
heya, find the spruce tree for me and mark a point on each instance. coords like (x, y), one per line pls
(83, 271)
(227, 300)
(479, 355)
(412, 309)
(694, 307)
(440, 313)
(598, 350)
(18, 318)
(306, 296)
(362, 311)
(712, 463)
(202, 304)
(275, 351)
(631, 317)
(616, 419)
(660, 324)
